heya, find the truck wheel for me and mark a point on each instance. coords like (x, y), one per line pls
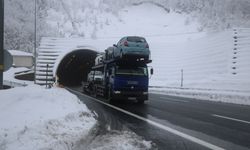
(110, 97)
(95, 92)
(106, 93)
(83, 89)
(141, 102)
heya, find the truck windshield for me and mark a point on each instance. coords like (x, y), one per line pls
(138, 71)
(98, 73)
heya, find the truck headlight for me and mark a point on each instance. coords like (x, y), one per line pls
(144, 93)
(117, 92)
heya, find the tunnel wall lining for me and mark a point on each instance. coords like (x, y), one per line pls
(65, 53)
(52, 51)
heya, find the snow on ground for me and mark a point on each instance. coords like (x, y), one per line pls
(228, 96)
(19, 53)
(149, 21)
(33, 117)
(112, 139)
(9, 77)
(213, 68)
(143, 20)
(206, 63)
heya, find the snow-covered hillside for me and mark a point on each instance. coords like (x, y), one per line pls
(145, 20)
(207, 59)
(85, 18)
(210, 62)
(174, 39)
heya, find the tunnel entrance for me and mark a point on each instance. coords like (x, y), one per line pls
(75, 66)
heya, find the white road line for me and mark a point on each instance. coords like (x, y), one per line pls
(175, 100)
(229, 118)
(166, 128)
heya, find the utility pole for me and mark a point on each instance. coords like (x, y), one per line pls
(1, 42)
(47, 68)
(35, 53)
(181, 77)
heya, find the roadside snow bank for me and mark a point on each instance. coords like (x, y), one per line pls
(113, 139)
(228, 96)
(10, 80)
(36, 118)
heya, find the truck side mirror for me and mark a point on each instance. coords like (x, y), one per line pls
(114, 45)
(151, 71)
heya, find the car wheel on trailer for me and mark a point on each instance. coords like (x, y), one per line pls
(121, 55)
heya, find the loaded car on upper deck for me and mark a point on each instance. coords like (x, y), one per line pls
(130, 47)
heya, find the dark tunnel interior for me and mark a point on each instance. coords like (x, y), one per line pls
(75, 66)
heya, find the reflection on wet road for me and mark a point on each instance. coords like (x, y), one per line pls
(173, 114)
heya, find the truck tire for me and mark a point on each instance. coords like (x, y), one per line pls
(105, 93)
(110, 96)
(95, 91)
(140, 101)
(84, 89)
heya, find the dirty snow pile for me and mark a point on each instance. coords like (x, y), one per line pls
(10, 80)
(33, 117)
(228, 96)
(113, 139)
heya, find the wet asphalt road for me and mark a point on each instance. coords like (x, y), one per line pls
(224, 125)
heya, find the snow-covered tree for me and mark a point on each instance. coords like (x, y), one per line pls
(80, 17)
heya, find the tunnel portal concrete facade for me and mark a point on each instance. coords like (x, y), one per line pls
(56, 56)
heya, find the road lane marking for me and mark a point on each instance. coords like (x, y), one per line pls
(166, 128)
(229, 118)
(174, 100)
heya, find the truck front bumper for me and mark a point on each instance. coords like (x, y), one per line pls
(125, 95)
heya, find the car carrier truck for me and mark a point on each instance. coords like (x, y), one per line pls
(122, 79)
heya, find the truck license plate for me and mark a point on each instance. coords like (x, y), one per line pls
(132, 98)
(133, 82)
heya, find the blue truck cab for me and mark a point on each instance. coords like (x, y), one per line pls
(127, 81)
(121, 80)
